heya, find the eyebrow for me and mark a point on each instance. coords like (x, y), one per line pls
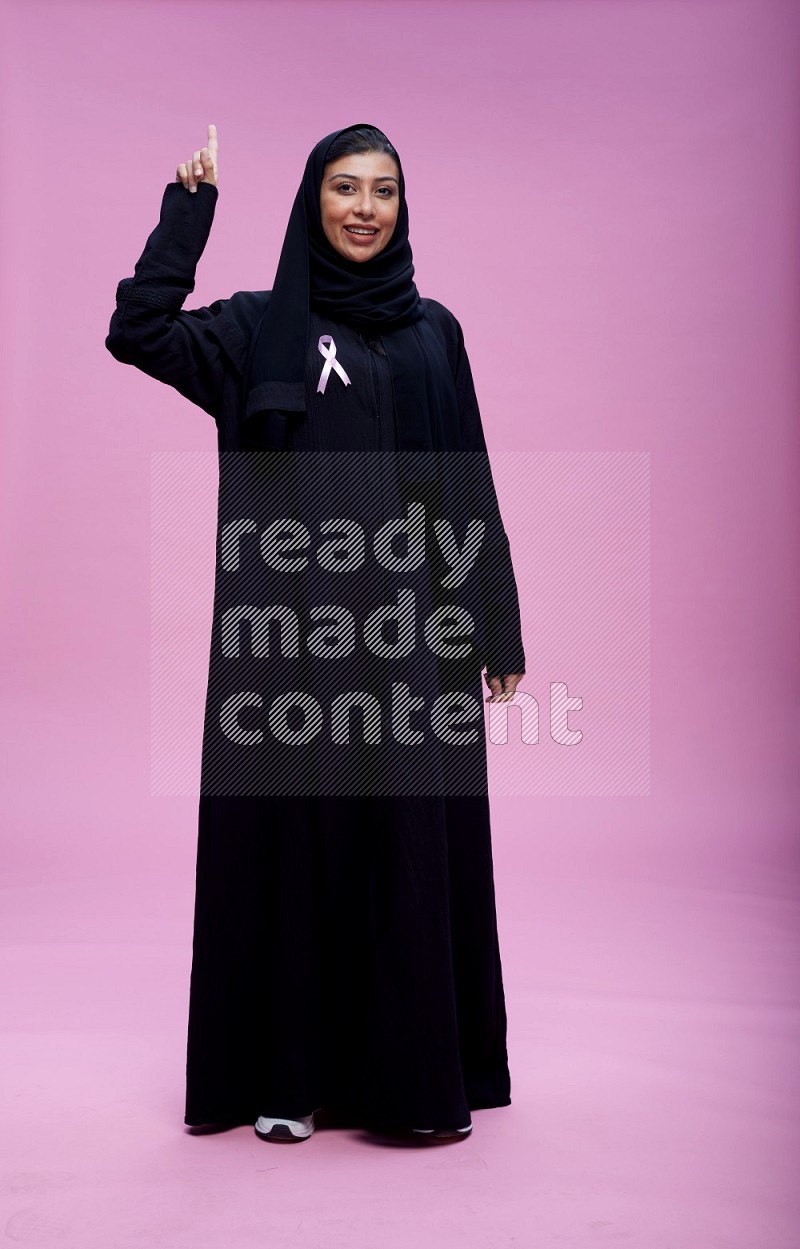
(385, 177)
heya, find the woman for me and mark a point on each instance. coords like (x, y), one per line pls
(345, 950)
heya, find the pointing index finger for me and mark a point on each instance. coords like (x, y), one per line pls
(212, 139)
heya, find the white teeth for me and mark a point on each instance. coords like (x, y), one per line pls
(355, 230)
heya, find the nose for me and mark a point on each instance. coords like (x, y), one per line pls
(365, 206)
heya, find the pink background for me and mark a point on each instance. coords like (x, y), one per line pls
(606, 195)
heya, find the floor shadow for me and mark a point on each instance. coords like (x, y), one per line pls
(329, 1118)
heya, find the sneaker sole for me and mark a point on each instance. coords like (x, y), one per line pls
(282, 1132)
(442, 1133)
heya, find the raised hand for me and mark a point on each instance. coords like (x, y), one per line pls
(202, 166)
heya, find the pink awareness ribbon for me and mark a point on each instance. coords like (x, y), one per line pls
(329, 355)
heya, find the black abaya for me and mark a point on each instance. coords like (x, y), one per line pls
(345, 949)
(359, 966)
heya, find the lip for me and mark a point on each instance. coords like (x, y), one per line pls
(361, 238)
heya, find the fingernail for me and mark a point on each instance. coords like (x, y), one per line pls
(193, 187)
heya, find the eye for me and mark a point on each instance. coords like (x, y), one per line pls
(387, 192)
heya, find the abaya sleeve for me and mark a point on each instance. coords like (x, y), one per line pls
(149, 329)
(498, 587)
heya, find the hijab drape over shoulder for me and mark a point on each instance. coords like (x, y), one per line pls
(375, 296)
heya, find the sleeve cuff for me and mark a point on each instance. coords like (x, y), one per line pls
(127, 290)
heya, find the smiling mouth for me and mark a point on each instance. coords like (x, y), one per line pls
(364, 231)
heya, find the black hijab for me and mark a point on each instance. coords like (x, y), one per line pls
(376, 296)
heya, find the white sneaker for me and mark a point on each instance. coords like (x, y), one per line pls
(271, 1129)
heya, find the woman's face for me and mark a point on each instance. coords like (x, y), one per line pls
(360, 193)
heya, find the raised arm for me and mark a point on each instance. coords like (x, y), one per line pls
(149, 329)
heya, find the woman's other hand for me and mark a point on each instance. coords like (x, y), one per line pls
(503, 688)
(202, 165)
